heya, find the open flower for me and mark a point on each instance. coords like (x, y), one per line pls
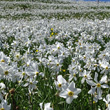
(107, 101)
(86, 75)
(46, 106)
(70, 93)
(97, 85)
(4, 105)
(60, 83)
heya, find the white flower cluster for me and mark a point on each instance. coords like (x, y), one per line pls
(65, 51)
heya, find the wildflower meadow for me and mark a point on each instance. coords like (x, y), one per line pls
(54, 55)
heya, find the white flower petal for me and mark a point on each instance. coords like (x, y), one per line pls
(69, 100)
(104, 86)
(82, 81)
(92, 91)
(61, 79)
(72, 86)
(77, 91)
(99, 93)
(75, 96)
(95, 78)
(108, 98)
(103, 79)
(63, 94)
(91, 83)
(47, 105)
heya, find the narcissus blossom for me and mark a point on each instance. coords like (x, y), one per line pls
(70, 93)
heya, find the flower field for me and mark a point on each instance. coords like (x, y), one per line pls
(54, 55)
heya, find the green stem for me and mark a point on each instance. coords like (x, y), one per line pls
(31, 101)
(92, 102)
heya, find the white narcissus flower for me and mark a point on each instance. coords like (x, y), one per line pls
(32, 70)
(2, 86)
(70, 93)
(47, 107)
(105, 66)
(4, 58)
(107, 101)
(86, 75)
(61, 83)
(97, 85)
(31, 83)
(4, 105)
(73, 75)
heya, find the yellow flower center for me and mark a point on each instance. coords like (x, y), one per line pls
(93, 102)
(84, 57)
(30, 82)
(2, 60)
(37, 73)
(79, 43)
(80, 70)
(6, 72)
(52, 33)
(58, 47)
(59, 85)
(106, 105)
(51, 29)
(74, 75)
(80, 47)
(104, 55)
(23, 73)
(106, 68)
(70, 93)
(73, 68)
(85, 76)
(73, 60)
(48, 63)
(63, 53)
(50, 60)
(19, 81)
(98, 85)
(89, 47)
(27, 52)
(64, 70)
(57, 64)
(17, 56)
(27, 64)
(95, 65)
(37, 50)
(2, 109)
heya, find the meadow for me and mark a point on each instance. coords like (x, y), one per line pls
(54, 55)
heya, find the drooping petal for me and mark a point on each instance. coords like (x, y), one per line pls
(104, 86)
(82, 81)
(47, 105)
(108, 98)
(103, 79)
(26, 84)
(95, 78)
(63, 94)
(77, 91)
(91, 83)
(105, 100)
(75, 96)
(69, 100)
(92, 90)
(99, 93)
